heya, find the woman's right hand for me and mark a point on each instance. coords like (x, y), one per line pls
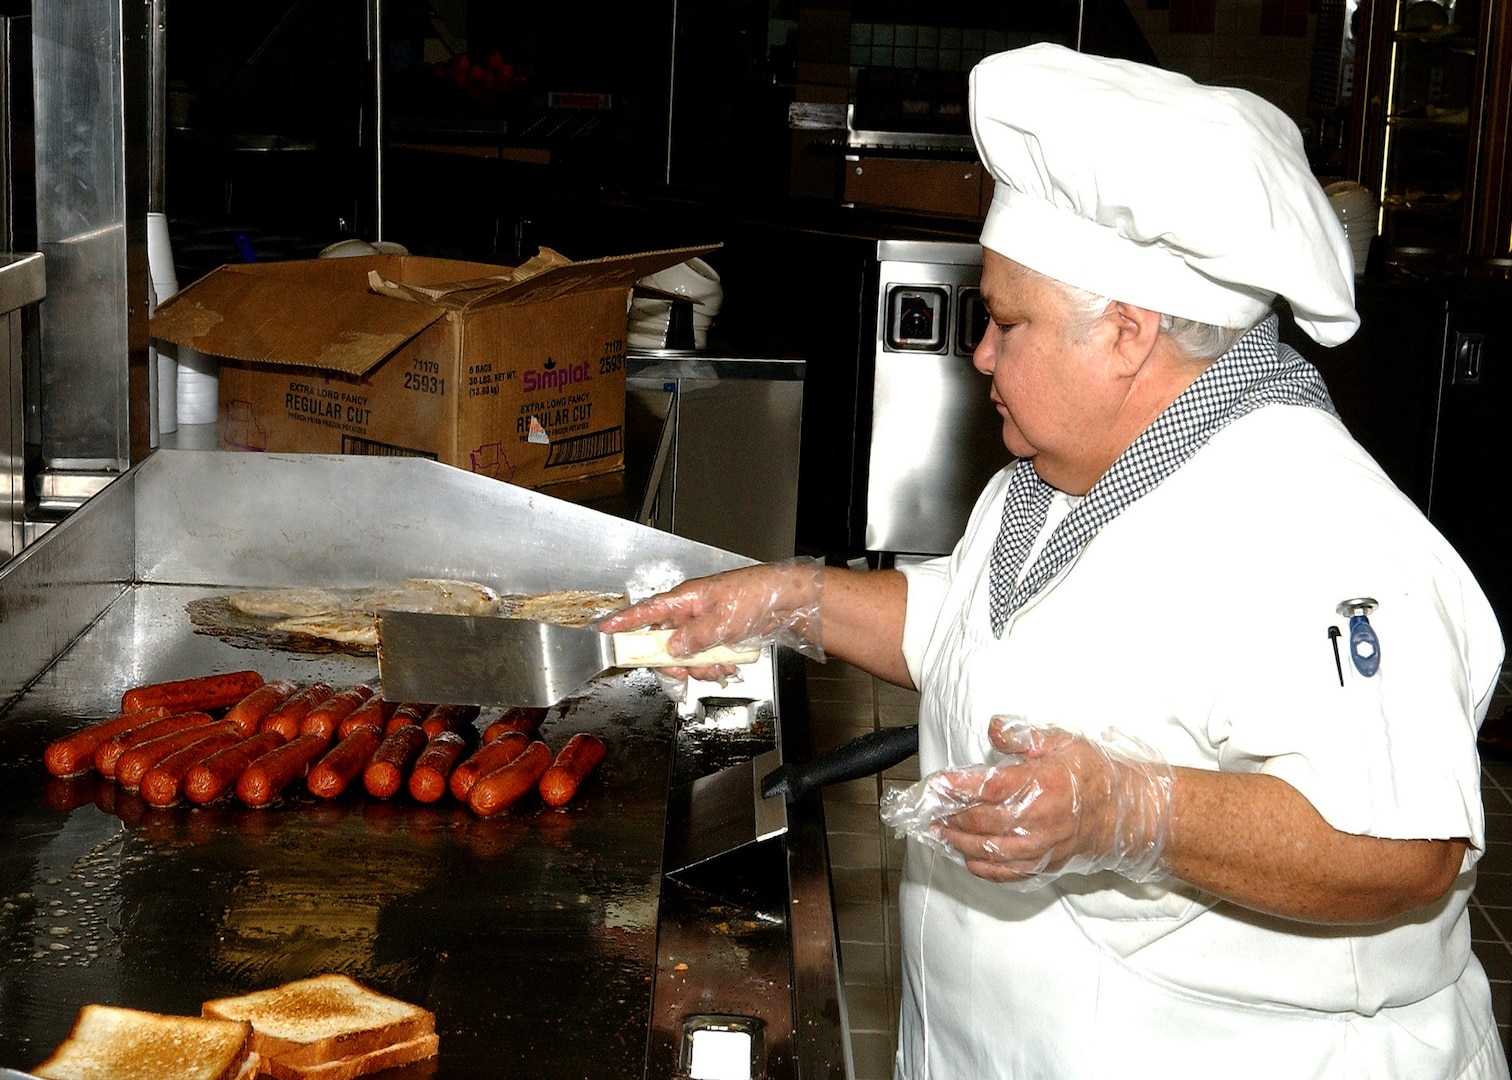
(768, 604)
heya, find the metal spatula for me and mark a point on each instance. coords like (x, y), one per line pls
(485, 660)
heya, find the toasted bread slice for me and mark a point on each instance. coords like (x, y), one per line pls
(109, 1043)
(389, 1057)
(325, 1018)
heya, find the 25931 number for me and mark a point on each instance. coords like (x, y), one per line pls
(424, 384)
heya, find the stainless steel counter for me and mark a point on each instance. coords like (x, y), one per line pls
(549, 944)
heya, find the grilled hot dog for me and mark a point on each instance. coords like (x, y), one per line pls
(324, 719)
(109, 752)
(458, 718)
(433, 768)
(372, 711)
(249, 713)
(287, 718)
(407, 714)
(136, 760)
(220, 771)
(74, 754)
(486, 759)
(164, 782)
(333, 772)
(385, 773)
(577, 759)
(525, 719)
(193, 695)
(507, 785)
(261, 781)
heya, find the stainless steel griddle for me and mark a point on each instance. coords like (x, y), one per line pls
(549, 944)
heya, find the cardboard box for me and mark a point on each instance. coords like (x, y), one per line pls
(515, 373)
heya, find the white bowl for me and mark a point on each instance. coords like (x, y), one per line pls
(695, 279)
(345, 249)
(1359, 213)
(1354, 204)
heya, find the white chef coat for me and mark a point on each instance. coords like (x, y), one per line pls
(1197, 621)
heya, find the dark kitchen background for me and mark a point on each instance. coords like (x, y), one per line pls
(797, 136)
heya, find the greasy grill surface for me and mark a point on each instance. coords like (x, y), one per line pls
(532, 936)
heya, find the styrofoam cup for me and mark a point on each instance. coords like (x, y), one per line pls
(160, 257)
(153, 431)
(167, 392)
(198, 387)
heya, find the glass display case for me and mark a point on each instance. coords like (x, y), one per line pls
(1432, 125)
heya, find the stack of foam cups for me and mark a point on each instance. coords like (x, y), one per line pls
(198, 386)
(162, 369)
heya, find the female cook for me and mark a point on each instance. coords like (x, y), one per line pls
(1199, 686)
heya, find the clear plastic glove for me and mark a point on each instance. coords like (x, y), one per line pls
(1056, 804)
(770, 604)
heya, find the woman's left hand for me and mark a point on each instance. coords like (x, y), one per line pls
(1062, 804)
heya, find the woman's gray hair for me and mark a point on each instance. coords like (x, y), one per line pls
(1197, 340)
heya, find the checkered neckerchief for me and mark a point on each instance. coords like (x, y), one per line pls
(1257, 371)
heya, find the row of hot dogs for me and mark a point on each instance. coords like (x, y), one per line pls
(199, 739)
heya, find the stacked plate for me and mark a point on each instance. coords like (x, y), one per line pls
(662, 302)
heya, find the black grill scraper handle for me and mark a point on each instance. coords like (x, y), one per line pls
(865, 755)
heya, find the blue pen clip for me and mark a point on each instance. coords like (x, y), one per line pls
(1364, 646)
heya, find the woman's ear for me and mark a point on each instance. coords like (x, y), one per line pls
(1137, 329)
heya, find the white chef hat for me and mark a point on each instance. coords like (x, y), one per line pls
(1146, 187)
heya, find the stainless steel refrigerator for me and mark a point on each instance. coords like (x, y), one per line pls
(935, 438)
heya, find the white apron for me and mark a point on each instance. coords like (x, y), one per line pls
(1164, 628)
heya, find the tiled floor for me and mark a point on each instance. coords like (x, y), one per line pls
(866, 862)
(865, 859)
(1491, 906)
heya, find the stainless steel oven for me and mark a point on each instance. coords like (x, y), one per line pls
(935, 437)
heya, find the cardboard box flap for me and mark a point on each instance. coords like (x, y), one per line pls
(320, 316)
(611, 272)
(457, 295)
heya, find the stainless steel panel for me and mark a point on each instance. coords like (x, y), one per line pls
(59, 585)
(22, 279)
(79, 51)
(12, 438)
(930, 253)
(935, 439)
(21, 285)
(734, 444)
(7, 163)
(157, 105)
(304, 519)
